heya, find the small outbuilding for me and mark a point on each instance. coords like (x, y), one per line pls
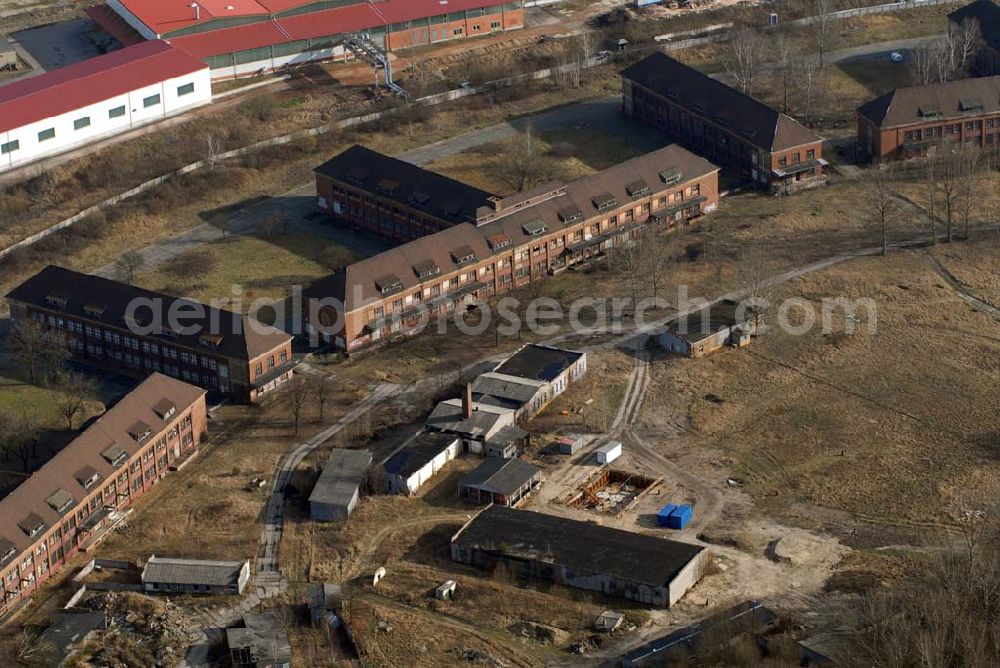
(194, 576)
(725, 323)
(569, 444)
(445, 591)
(608, 621)
(419, 460)
(337, 490)
(502, 481)
(261, 642)
(609, 452)
(324, 600)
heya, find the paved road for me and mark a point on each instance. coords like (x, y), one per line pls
(270, 536)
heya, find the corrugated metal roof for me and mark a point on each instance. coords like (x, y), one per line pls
(192, 571)
(91, 81)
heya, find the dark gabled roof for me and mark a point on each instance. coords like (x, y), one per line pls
(416, 455)
(538, 362)
(987, 14)
(356, 283)
(582, 547)
(952, 100)
(746, 117)
(501, 476)
(435, 194)
(243, 337)
(29, 503)
(343, 474)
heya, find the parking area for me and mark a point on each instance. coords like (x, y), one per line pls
(58, 44)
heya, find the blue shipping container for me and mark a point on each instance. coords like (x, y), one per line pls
(664, 514)
(680, 517)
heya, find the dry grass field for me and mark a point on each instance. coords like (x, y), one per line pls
(873, 436)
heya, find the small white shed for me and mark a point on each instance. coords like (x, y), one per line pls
(609, 452)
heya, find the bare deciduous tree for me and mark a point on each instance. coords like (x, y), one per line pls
(297, 394)
(129, 264)
(744, 57)
(966, 41)
(880, 196)
(213, 149)
(522, 164)
(626, 259)
(949, 185)
(969, 164)
(321, 387)
(821, 28)
(38, 351)
(18, 437)
(74, 389)
(807, 74)
(756, 272)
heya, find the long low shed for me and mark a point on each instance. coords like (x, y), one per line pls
(648, 569)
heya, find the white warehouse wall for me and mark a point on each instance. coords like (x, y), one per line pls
(101, 124)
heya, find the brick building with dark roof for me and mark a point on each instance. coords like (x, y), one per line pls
(985, 14)
(126, 328)
(914, 122)
(728, 127)
(512, 241)
(73, 499)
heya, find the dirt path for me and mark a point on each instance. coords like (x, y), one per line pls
(959, 289)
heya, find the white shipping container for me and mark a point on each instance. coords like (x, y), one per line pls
(609, 452)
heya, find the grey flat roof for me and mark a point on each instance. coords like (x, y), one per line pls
(192, 571)
(538, 362)
(580, 546)
(447, 416)
(425, 447)
(505, 391)
(709, 320)
(501, 476)
(70, 628)
(344, 472)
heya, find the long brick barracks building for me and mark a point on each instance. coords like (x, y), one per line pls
(224, 352)
(71, 502)
(461, 243)
(722, 124)
(914, 122)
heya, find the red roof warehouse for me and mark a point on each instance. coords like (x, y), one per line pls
(268, 34)
(91, 81)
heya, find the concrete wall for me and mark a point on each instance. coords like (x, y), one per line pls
(32, 148)
(688, 577)
(333, 512)
(398, 485)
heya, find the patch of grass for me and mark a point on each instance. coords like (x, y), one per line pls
(266, 268)
(39, 404)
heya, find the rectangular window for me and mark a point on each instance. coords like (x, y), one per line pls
(46, 135)
(186, 89)
(151, 101)
(81, 123)
(811, 154)
(117, 112)
(10, 146)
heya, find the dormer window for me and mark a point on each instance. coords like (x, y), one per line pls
(570, 214)
(604, 201)
(114, 454)
(165, 409)
(57, 300)
(32, 525)
(929, 112)
(498, 241)
(7, 551)
(210, 340)
(87, 477)
(671, 176)
(357, 176)
(387, 187)
(970, 105)
(637, 189)
(95, 310)
(139, 431)
(534, 228)
(60, 501)
(419, 198)
(463, 255)
(388, 284)
(451, 209)
(426, 269)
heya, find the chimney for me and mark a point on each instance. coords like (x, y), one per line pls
(467, 401)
